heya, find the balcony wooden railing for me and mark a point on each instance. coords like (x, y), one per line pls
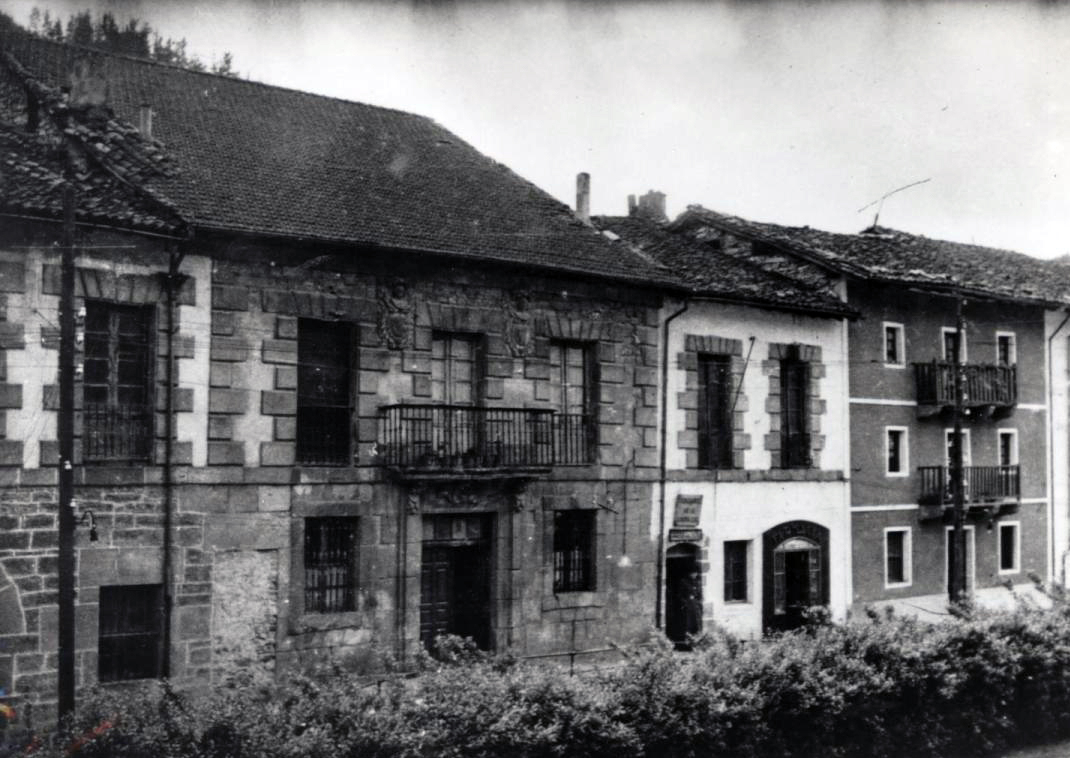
(983, 384)
(982, 485)
(116, 432)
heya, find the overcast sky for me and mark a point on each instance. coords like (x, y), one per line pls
(792, 112)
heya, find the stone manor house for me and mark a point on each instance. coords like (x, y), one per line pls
(345, 384)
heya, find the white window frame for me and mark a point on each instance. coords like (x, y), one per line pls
(1014, 346)
(1017, 568)
(908, 557)
(943, 344)
(1013, 434)
(967, 458)
(971, 557)
(901, 344)
(904, 450)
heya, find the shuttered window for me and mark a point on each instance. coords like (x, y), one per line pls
(715, 411)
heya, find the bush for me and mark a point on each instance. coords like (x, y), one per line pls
(887, 687)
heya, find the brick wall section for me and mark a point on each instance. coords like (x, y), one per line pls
(688, 400)
(810, 354)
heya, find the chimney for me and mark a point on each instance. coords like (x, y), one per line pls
(651, 206)
(145, 120)
(583, 197)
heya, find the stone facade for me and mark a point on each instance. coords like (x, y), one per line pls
(240, 499)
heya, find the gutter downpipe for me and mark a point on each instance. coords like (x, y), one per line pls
(663, 461)
(171, 280)
(1051, 444)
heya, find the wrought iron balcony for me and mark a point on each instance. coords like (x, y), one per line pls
(983, 385)
(116, 433)
(982, 486)
(462, 439)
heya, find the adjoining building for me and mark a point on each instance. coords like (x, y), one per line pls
(901, 383)
(412, 395)
(753, 519)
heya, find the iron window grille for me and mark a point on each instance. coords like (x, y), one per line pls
(330, 565)
(574, 551)
(131, 621)
(117, 407)
(324, 405)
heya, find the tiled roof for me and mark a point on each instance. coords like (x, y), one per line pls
(888, 255)
(111, 161)
(267, 160)
(710, 272)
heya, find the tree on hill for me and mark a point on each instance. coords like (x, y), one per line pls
(134, 37)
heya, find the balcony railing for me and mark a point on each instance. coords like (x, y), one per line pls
(116, 432)
(982, 485)
(983, 384)
(466, 438)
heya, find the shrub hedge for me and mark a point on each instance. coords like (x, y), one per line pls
(883, 687)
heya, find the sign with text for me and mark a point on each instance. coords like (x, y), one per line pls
(687, 510)
(685, 535)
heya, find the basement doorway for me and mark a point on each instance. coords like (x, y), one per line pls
(683, 595)
(455, 578)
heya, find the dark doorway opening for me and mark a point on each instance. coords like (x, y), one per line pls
(683, 595)
(455, 579)
(796, 573)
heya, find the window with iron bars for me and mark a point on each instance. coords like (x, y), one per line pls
(131, 622)
(117, 397)
(324, 392)
(330, 564)
(574, 537)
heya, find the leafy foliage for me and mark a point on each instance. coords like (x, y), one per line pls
(135, 38)
(883, 687)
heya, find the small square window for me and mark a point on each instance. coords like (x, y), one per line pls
(131, 620)
(1009, 545)
(574, 537)
(735, 571)
(896, 453)
(330, 565)
(894, 345)
(897, 557)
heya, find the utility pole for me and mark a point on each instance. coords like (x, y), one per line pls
(65, 433)
(957, 558)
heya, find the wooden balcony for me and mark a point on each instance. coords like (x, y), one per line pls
(987, 487)
(446, 441)
(986, 387)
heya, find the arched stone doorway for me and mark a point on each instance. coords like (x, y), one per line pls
(795, 572)
(683, 594)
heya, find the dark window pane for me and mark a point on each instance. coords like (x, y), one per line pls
(715, 411)
(895, 555)
(794, 417)
(324, 391)
(574, 551)
(735, 570)
(1007, 546)
(891, 344)
(330, 565)
(895, 443)
(129, 638)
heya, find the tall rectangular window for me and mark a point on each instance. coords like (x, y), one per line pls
(735, 571)
(330, 564)
(897, 557)
(131, 620)
(896, 451)
(573, 390)
(574, 538)
(894, 345)
(1009, 548)
(324, 392)
(950, 338)
(120, 353)
(456, 368)
(794, 415)
(715, 411)
(1006, 349)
